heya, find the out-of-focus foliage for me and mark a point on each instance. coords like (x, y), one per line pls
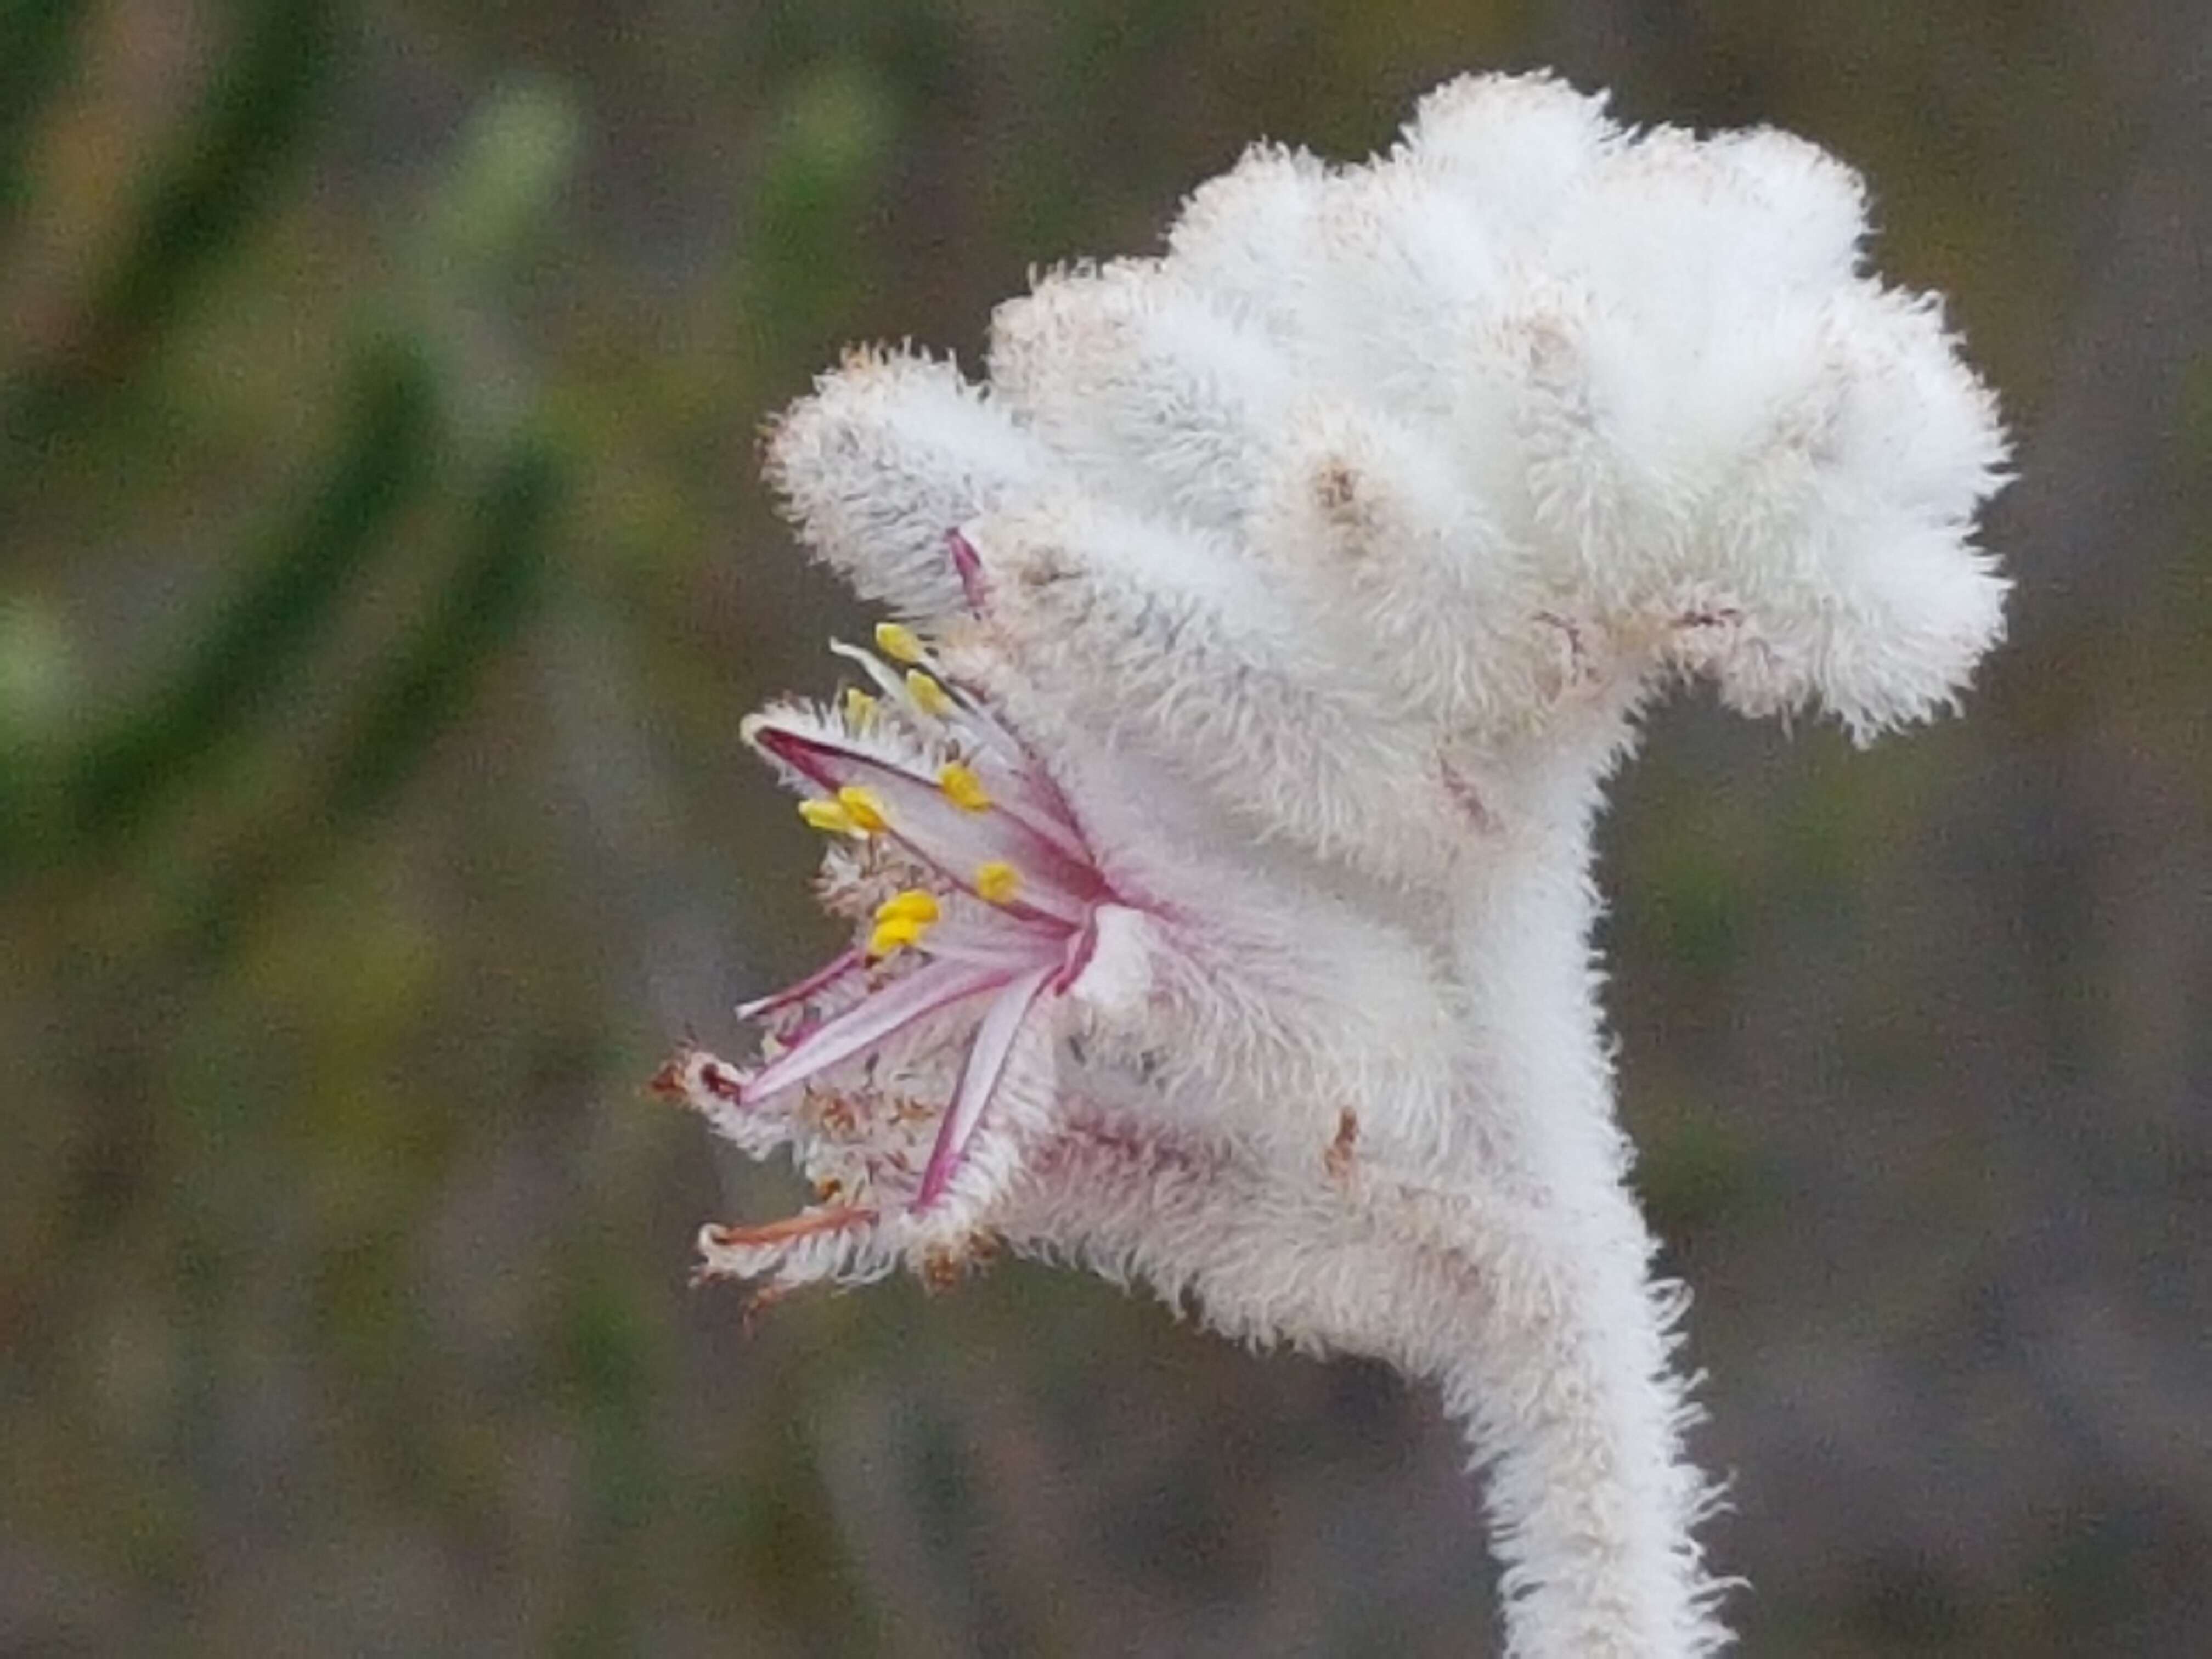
(384, 574)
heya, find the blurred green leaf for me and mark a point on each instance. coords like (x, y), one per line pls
(38, 677)
(515, 156)
(484, 602)
(250, 123)
(122, 777)
(37, 42)
(422, 686)
(824, 162)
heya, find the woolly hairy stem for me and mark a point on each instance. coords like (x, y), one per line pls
(1538, 1323)
(1514, 1273)
(1506, 1306)
(1560, 1375)
(1558, 1352)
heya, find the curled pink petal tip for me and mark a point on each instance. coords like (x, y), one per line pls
(970, 566)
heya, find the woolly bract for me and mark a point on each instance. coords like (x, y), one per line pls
(1216, 840)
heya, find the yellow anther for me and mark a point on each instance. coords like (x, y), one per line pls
(890, 936)
(899, 642)
(913, 904)
(902, 918)
(997, 882)
(828, 817)
(864, 807)
(962, 788)
(860, 709)
(928, 695)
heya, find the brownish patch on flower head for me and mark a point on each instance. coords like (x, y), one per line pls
(1337, 1160)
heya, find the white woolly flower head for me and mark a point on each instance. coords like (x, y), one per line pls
(1214, 831)
(1528, 362)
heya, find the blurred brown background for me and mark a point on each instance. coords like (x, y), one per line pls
(383, 572)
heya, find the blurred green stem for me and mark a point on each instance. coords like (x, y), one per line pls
(37, 42)
(281, 55)
(120, 779)
(487, 597)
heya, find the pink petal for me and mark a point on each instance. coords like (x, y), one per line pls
(987, 1059)
(1024, 788)
(933, 986)
(805, 989)
(1079, 950)
(958, 842)
(991, 939)
(1026, 795)
(969, 567)
(1019, 785)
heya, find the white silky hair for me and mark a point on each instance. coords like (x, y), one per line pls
(1326, 560)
